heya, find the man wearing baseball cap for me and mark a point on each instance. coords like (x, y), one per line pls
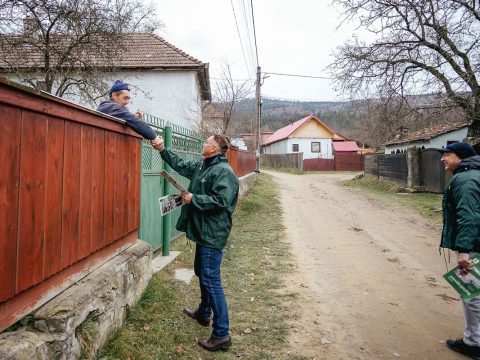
(117, 106)
(461, 230)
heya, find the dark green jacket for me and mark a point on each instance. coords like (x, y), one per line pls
(207, 220)
(461, 208)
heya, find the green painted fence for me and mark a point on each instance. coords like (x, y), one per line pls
(187, 144)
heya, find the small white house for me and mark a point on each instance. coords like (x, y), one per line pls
(437, 137)
(165, 81)
(309, 135)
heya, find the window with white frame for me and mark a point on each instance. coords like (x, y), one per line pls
(316, 147)
(295, 147)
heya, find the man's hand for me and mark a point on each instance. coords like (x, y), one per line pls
(464, 261)
(139, 115)
(157, 143)
(187, 197)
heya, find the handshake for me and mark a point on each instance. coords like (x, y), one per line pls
(157, 143)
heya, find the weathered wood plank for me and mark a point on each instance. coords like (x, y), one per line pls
(54, 194)
(110, 181)
(10, 129)
(98, 189)
(86, 184)
(121, 187)
(71, 198)
(31, 236)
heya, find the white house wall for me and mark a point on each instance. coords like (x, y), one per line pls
(435, 142)
(304, 146)
(279, 147)
(171, 95)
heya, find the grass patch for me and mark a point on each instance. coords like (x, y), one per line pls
(426, 204)
(86, 334)
(282, 169)
(253, 269)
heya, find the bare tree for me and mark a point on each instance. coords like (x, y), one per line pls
(397, 118)
(229, 92)
(421, 46)
(66, 46)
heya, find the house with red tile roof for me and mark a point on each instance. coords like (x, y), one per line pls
(165, 81)
(309, 135)
(437, 136)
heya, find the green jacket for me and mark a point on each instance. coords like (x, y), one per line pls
(461, 208)
(207, 220)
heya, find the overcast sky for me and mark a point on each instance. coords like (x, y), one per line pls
(293, 37)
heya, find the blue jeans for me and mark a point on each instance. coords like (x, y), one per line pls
(207, 268)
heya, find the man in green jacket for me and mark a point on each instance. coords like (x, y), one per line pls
(461, 230)
(206, 218)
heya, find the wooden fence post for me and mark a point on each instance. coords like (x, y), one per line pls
(413, 168)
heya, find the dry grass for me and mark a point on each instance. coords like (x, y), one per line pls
(426, 204)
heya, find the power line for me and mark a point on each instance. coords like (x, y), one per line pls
(254, 32)
(296, 75)
(223, 79)
(247, 34)
(240, 37)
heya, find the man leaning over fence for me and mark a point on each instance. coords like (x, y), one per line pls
(207, 220)
(117, 106)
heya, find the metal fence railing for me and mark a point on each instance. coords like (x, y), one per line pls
(158, 231)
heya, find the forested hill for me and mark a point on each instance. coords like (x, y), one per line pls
(340, 116)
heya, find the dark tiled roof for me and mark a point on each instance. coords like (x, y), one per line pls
(428, 133)
(143, 50)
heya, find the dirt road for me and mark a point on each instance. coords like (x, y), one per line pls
(369, 275)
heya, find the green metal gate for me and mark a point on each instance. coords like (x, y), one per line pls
(188, 145)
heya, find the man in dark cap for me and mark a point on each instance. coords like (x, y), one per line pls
(461, 230)
(117, 106)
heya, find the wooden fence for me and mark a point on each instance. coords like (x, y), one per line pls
(70, 190)
(340, 162)
(294, 161)
(242, 162)
(394, 167)
(349, 162)
(318, 164)
(433, 177)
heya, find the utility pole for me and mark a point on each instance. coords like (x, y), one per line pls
(258, 106)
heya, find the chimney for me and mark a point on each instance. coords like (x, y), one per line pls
(30, 29)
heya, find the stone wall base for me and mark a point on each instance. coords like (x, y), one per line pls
(246, 183)
(81, 319)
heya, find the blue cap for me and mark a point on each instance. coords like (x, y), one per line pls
(462, 150)
(118, 86)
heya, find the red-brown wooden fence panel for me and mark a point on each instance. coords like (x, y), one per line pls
(349, 162)
(243, 162)
(318, 165)
(69, 195)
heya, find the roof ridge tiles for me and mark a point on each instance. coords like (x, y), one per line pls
(175, 48)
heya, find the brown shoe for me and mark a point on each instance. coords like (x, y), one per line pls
(194, 315)
(213, 344)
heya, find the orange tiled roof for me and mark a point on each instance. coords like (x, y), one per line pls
(143, 50)
(428, 133)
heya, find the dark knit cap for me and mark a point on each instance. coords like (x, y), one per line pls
(462, 150)
(118, 86)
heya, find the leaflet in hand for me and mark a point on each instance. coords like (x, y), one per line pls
(169, 203)
(467, 284)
